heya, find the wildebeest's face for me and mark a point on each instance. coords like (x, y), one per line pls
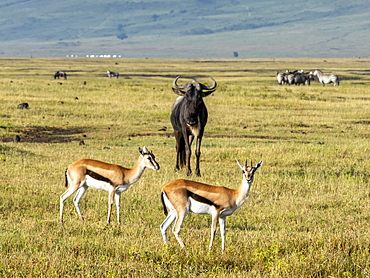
(194, 104)
(193, 93)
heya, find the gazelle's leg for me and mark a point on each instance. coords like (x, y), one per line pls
(213, 227)
(110, 203)
(72, 189)
(222, 221)
(117, 197)
(76, 200)
(166, 224)
(177, 226)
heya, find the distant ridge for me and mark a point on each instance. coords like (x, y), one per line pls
(191, 29)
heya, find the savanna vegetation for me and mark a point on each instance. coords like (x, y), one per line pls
(308, 213)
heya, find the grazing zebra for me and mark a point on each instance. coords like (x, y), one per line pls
(280, 76)
(326, 79)
(112, 74)
(59, 74)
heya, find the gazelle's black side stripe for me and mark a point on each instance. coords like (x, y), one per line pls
(98, 177)
(201, 199)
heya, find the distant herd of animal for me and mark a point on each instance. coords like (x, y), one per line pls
(299, 77)
(62, 74)
(288, 77)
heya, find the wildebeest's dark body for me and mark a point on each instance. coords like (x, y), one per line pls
(23, 105)
(188, 118)
(59, 74)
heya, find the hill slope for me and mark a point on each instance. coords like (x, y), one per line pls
(187, 29)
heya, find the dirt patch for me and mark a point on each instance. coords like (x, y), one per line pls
(45, 134)
(211, 136)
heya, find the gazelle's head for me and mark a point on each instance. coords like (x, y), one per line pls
(248, 171)
(148, 159)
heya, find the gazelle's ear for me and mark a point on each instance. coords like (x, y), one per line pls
(143, 150)
(259, 164)
(240, 165)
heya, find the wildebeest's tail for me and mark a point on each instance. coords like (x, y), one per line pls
(66, 178)
(164, 205)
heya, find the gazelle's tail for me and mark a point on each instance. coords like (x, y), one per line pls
(66, 178)
(164, 205)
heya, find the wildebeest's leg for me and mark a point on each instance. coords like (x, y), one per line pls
(197, 154)
(179, 150)
(188, 141)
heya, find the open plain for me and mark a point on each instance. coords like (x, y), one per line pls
(308, 213)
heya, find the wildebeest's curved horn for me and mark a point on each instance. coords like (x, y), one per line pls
(210, 87)
(175, 83)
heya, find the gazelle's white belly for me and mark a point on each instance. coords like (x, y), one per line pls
(97, 184)
(102, 185)
(200, 208)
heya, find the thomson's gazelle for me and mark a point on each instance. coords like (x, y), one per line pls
(181, 196)
(115, 179)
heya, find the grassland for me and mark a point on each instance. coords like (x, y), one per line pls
(308, 214)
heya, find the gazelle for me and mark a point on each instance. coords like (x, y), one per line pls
(115, 179)
(182, 196)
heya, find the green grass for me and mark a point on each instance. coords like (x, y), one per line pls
(308, 213)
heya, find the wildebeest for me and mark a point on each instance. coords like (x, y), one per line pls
(59, 74)
(326, 79)
(112, 74)
(289, 77)
(294, 77)
(23, 105)
(302, 77)
(189, 117)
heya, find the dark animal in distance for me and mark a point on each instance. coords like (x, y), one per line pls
(294, 77)
(289, 77)
(23, 105)
(112, 74)
(302, 77)
(189, 117)
(59, 74)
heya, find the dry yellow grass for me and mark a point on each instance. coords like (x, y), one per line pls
(308, 213)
